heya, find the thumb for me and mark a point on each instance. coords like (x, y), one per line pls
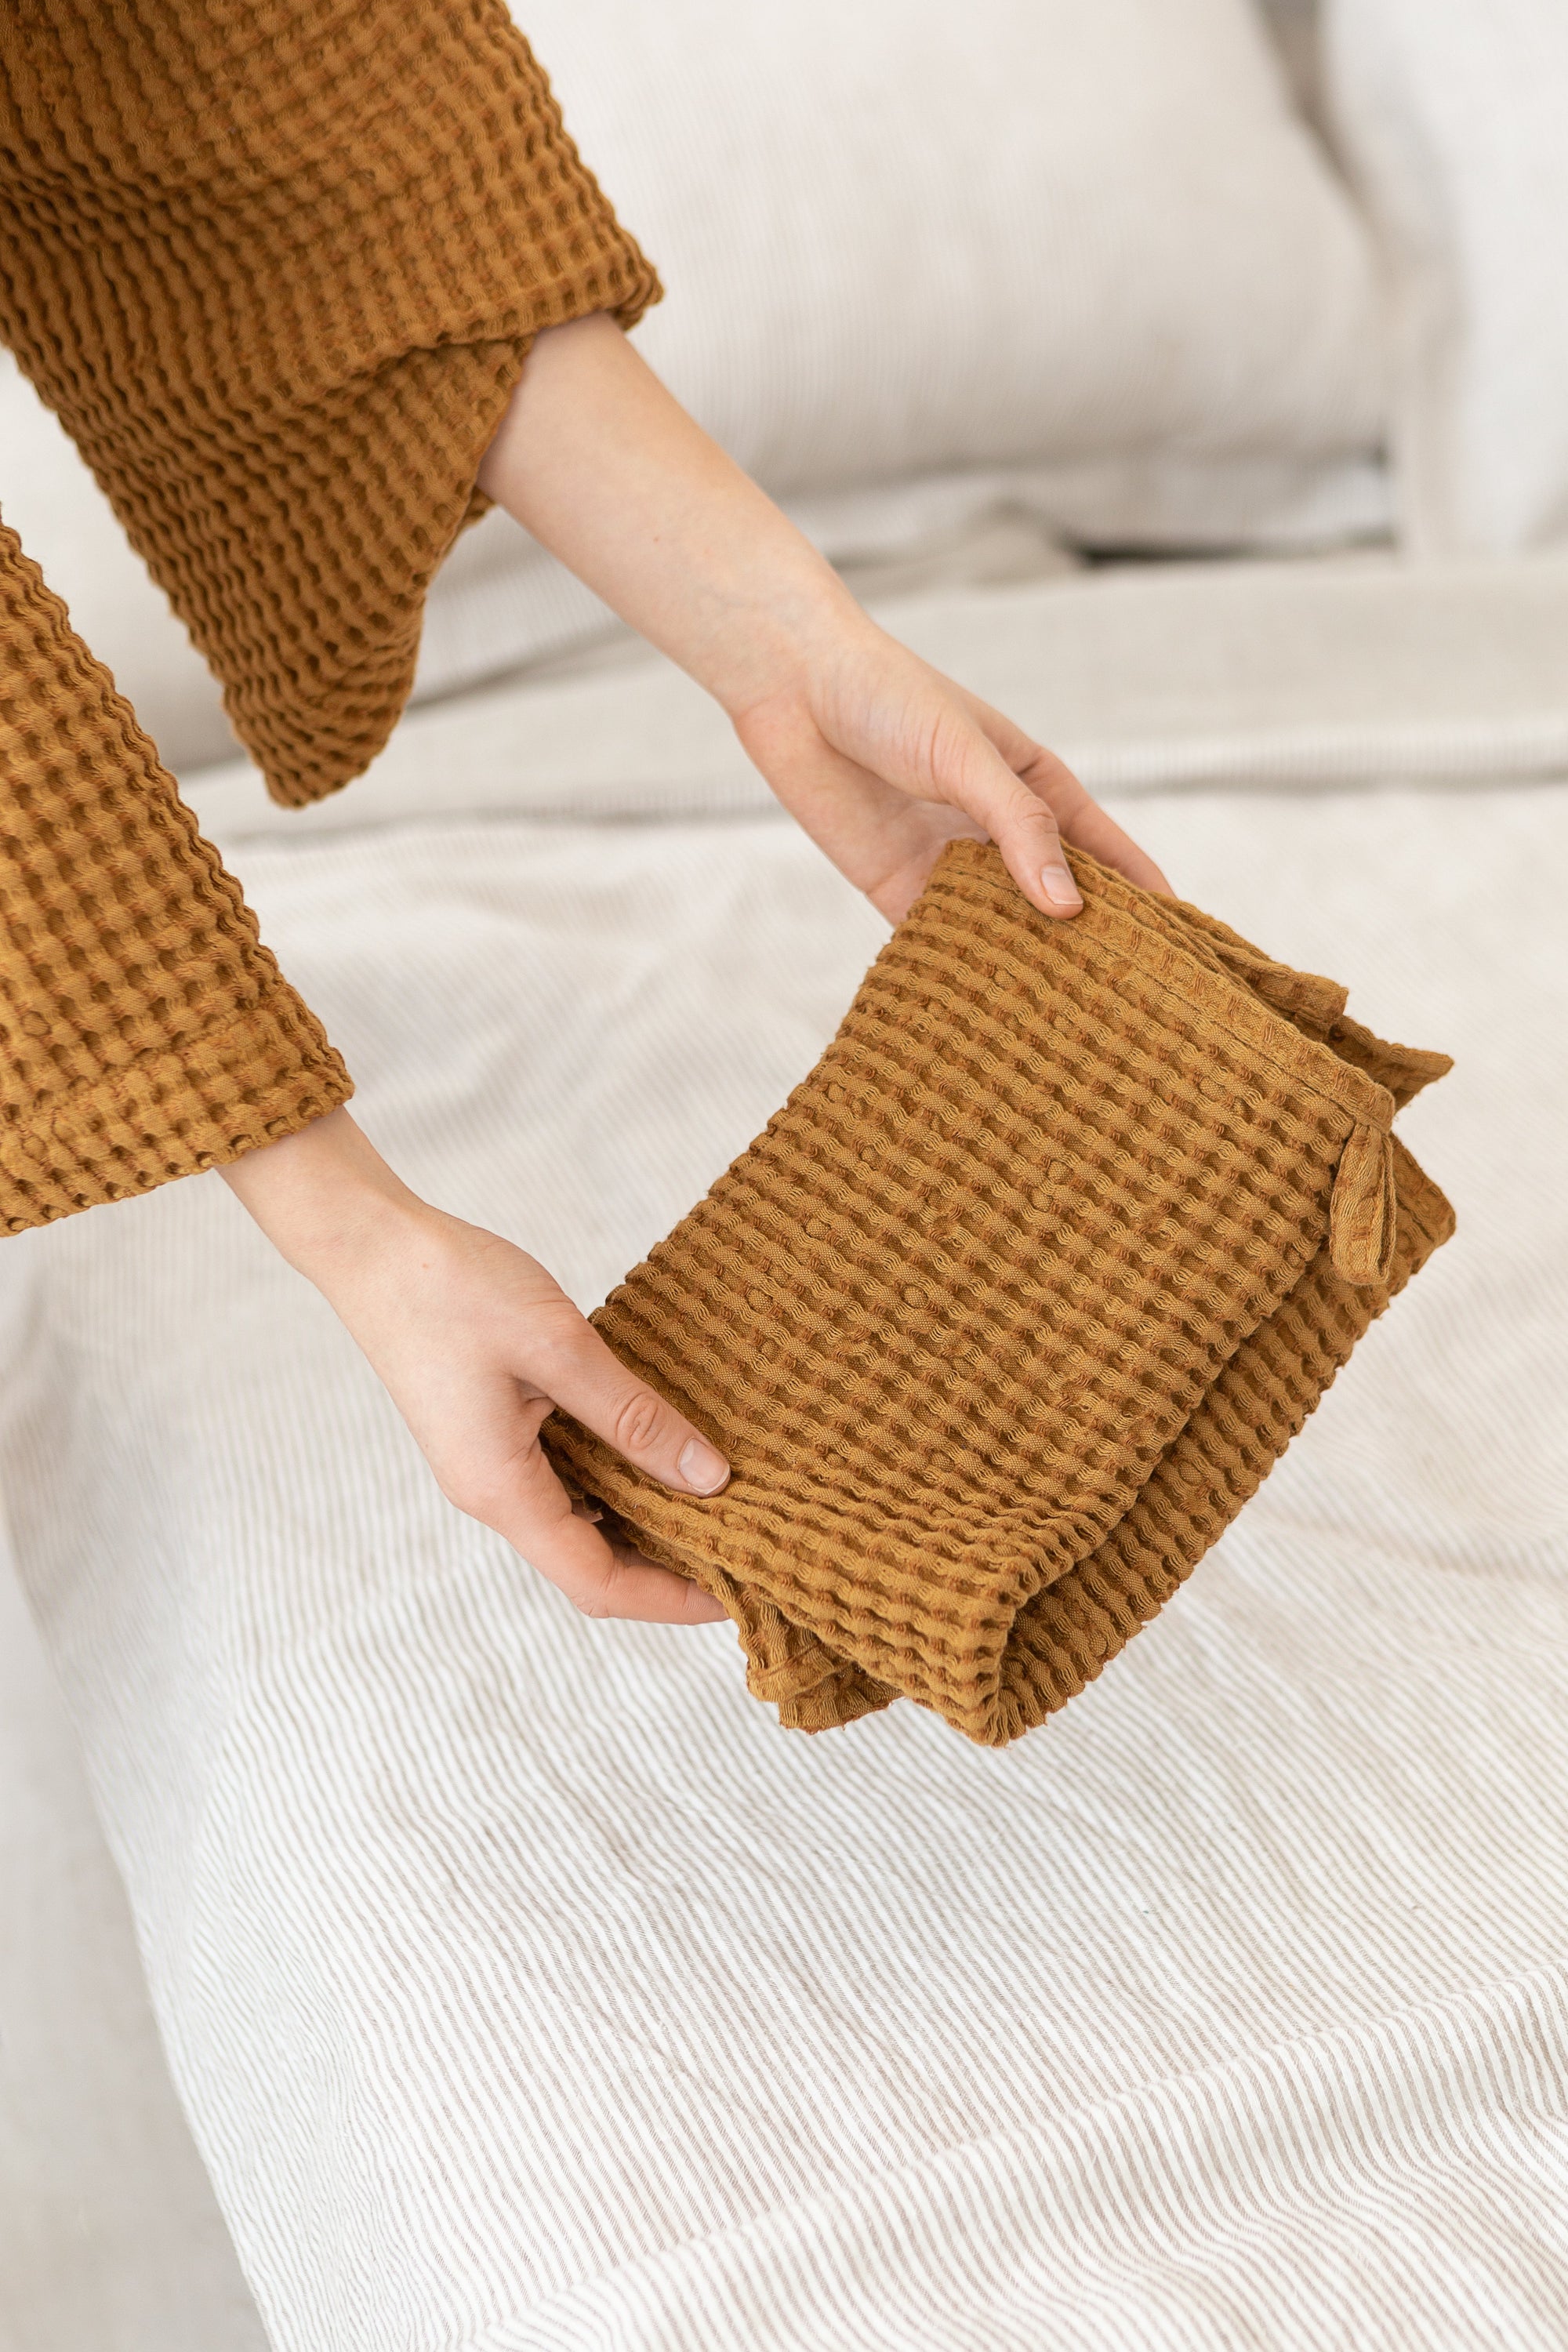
(972, 775)
(588, 1381)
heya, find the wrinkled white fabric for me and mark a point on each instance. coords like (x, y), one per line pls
(1092, 255)
(529, 1989)
(1024, 233)
(1450, 115)
(1347, 670)
(109, 2237)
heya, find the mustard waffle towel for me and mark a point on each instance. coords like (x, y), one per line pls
(1018, 1298)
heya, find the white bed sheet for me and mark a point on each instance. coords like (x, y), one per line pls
(1290, 675)
(526, 1988)
(111, 2239)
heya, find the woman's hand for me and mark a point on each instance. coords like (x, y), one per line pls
(474, 1343)
(881, 758)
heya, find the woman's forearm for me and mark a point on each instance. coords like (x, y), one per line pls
(606, 468)
(880, 759)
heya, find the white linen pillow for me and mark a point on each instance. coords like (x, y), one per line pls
(924, 269)
(907, 238)
(1297, 28)
(1452, 116)
(1094, 249)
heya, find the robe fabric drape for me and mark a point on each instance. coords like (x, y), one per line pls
(276, 269)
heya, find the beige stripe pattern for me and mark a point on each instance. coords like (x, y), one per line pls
(531, 1992)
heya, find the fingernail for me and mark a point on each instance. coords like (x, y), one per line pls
(703, 1470)
(1059, 887)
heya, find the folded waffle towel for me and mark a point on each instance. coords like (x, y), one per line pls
(1018, 1300)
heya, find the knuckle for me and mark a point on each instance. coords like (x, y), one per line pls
(637, 1423)
(557, 1348)
(1034, 814)
(1037, 767)
(491, 1490)
(478, 1495)
(465, 1496)
(585, 1585)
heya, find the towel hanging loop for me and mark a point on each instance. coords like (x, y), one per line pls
(1363, 1207)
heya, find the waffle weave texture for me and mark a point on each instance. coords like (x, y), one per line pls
(145, 1032)
(276, 269)
(1018, 1300)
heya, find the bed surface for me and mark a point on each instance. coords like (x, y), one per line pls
(1302, 674)
(525, 1985)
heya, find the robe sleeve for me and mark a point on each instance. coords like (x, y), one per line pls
(145, 1032)
(276, 264)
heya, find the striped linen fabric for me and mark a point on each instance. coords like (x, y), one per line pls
(531, 1992)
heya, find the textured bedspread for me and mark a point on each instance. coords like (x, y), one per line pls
(531, 1992)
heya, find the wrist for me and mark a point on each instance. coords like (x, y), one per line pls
(605, 469)
(326, 1199)
(781, 641)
